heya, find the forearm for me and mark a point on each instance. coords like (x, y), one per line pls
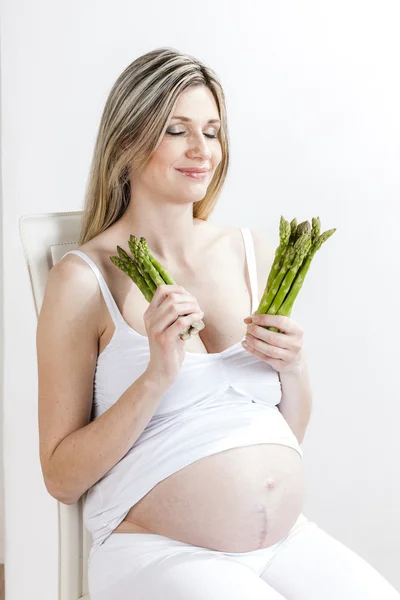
(296, 402)
(86, 455)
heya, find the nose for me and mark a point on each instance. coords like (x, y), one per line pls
(199, 147)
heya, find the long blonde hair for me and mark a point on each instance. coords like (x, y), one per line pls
(132, 125)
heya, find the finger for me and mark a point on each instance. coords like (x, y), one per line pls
(165, 290)
(179, 309)
(281, 340)
(175, 298)
(267, 349)
(284, 324)
(182, 323)
(169, 317)
(276, 364)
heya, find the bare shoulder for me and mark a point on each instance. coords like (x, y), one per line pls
(71, 274)
(71, 286)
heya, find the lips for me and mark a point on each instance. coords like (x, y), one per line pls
(193, 170)
(199, 175)
(195, 173)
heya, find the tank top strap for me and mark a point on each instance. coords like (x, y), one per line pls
(108, 298)
(251, 265)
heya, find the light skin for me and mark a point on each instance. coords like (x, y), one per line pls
(161, 197)
(162, 203)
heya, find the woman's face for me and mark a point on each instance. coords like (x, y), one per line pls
(186, 144)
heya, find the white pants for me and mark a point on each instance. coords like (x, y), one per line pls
(308, 564)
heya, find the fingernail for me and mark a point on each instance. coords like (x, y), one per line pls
(248, 320)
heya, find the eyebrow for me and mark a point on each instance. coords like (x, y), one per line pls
(189, 120)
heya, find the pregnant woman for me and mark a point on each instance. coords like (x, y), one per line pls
(189, 451)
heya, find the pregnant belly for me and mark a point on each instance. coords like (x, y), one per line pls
(237, 500)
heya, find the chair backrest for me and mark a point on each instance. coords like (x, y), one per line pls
(45, 239)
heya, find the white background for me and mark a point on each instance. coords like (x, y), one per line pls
(313, 99)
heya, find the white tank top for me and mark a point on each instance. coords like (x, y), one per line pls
(219, 401)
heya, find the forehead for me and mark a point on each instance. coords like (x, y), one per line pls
(196, 104)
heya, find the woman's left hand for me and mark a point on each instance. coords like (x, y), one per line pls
(283, 351)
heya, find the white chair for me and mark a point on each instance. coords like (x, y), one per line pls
(45, 239)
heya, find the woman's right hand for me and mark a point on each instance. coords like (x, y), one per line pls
(171, 311)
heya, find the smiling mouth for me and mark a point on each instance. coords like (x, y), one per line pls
(193, 175)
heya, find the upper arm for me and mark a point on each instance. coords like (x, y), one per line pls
(67, 346)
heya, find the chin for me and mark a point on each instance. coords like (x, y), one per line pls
(186, 196)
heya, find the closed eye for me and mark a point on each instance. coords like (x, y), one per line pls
(212, 137)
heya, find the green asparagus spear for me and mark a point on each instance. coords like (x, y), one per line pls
(124, 256)
(147, 266)
(304, 245)
(284, 235)
(135, 275)
(303, 228)
(293, 227)
(134, 247)
(298, 230)
(286, 307)
(269, 295)
(288, 258)
(168, 279)
(127, 260)
(316, 228)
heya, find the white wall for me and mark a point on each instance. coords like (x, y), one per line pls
(313, 102)
(1, 363)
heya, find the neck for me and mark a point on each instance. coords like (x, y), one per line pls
(171, 232)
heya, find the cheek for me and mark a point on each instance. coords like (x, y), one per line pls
(165, 156)
(161, 164)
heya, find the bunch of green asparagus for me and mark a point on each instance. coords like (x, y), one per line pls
(297, 247)
(148, 274)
